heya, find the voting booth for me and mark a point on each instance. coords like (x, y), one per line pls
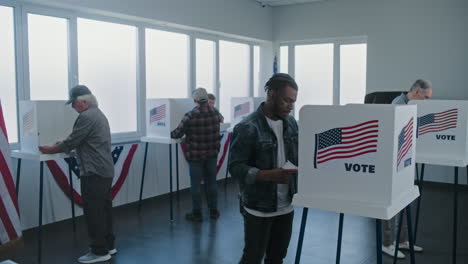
(357, 159)
(44, 123)
(164, 115)
(242, 107)
(442, 132)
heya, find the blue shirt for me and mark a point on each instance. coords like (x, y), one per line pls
(401, 99)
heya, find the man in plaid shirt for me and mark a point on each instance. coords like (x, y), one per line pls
(201, 127)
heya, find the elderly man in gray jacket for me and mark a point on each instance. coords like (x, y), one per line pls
(420, 90)
(91, 138)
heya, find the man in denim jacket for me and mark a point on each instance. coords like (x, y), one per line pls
(262, 144)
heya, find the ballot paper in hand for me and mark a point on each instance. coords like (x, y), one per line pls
(289, 165)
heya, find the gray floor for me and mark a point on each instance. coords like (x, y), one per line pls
(149, 237)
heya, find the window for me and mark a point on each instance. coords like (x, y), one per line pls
(205, 64)
(8, 72)
(284, 59)
(107, 65)
(256, 71)
(234, 74)
(48, 57)
(167, 60)
(314, 75)
(320, 80)
(353, 58)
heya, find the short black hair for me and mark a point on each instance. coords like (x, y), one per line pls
(211, 96)
(279, 81)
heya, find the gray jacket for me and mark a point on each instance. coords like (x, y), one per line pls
(91, 138)
(254, 148)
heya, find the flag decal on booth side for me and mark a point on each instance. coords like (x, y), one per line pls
(405, 146)
(346, 142)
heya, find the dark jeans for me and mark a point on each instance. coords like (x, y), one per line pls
(97, 208)
(205, 170)
(266, 236)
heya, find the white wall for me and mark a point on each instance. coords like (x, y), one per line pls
(237, 17)
(407, 39)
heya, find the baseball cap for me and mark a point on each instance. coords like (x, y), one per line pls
(76, 91)
(200, 95)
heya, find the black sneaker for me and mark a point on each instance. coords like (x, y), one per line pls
(214, 214)
(194, 217)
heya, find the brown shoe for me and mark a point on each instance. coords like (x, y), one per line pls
(194, 217)
(214, 214)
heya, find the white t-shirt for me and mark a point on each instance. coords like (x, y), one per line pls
(284, 203)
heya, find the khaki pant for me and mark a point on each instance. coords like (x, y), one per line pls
(390, 229)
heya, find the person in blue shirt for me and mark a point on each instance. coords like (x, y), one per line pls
(420, 90)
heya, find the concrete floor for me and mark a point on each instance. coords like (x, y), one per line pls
(149, 237)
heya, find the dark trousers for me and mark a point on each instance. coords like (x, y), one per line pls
(205, 170)
(266, 236)
(97, 208)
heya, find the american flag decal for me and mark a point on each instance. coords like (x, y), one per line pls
(28, 121)
(405, 142)
(158, 113)
(436, 122)
(241, 109)
(346, 142)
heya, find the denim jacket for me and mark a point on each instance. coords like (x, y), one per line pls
(254, 148)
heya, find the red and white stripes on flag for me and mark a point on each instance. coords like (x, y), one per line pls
(346, 142)
(405, 143)
(158, 113)
(436, 122)
(10, 225)
(241, 109)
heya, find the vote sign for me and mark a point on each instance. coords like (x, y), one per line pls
(442, 132)
(357, 159)
(163, 115)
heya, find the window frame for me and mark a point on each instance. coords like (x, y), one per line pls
(250, 71)
(337, 43)
(19, 61)
(216, 82)
(190, 46)
(29, 9)
(118, 137)
(21, 9)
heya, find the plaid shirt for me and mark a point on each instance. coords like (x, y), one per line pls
(201, 127)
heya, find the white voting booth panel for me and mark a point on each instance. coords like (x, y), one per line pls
(164, 115)
(44, 123)
(242, 107)
(357, 159)
(442, 132)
